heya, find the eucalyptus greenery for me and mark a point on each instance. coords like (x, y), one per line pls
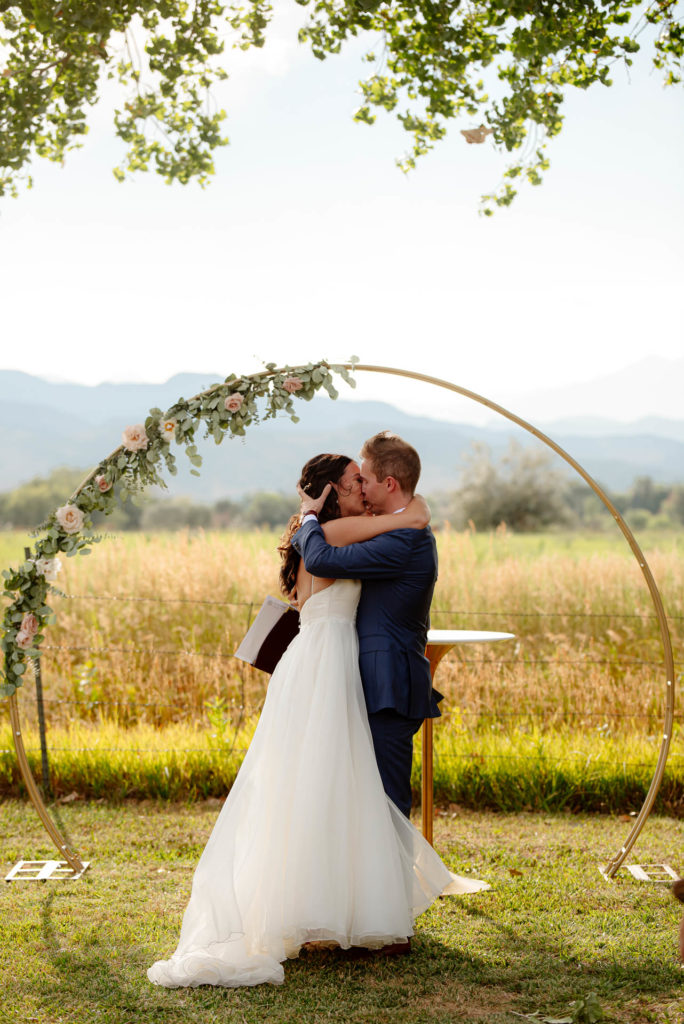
(228, 408)
(431, 61)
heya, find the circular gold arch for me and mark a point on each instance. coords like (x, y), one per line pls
(608, 870)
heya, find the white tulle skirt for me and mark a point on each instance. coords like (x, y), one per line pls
(307, 846)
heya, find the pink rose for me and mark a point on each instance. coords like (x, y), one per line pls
(29, 624)
(292, 384)
(102, 483)
(24, 640)
(70, 518)
(134, 438)
(234, 402)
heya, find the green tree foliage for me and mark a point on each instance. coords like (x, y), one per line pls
(268, 510)
(673, 506)
(54, 57)
(175, 514)
(647, 495)
(31, 503)
(505, 63)
(522, 490)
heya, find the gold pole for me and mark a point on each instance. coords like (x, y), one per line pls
(427, 804)
(611, 868)
(434, 653)
(72, 859)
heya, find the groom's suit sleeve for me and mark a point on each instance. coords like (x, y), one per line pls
(382, 557)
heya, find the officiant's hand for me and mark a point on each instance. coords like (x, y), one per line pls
(310, 504)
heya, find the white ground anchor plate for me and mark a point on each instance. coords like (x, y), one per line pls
(661, 873)
(42, 870)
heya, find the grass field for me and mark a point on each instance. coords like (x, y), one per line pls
(152, 622)
(550, 932)
(144, 697)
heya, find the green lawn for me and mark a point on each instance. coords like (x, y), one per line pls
(551, 931)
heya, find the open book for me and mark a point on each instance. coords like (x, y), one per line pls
(266, 640)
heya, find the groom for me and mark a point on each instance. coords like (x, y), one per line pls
(398, 571)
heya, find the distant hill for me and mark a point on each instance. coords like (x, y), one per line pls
(633, 391)
(46, 424)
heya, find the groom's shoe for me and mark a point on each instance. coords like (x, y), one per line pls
(396, 949)
(363, 953)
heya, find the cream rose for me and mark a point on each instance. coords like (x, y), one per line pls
(167, 429)
(50, 568)
(24, 640)
(234, 402)
(102, 483)
(29, 624)
(134, 438)
(292, 384)
(70, 518)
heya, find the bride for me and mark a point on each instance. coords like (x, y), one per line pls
(307, 847)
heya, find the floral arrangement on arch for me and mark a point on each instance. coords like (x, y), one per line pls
(228, 408)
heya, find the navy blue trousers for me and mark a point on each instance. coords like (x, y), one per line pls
(393, 741)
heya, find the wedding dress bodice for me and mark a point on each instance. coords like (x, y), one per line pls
(338, 601)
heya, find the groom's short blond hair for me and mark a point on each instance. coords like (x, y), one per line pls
(390, 455)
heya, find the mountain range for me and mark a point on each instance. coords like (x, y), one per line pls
(46, 424)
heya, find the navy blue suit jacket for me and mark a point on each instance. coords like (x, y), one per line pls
(398, 571)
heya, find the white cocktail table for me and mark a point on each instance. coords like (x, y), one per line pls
(439, 642)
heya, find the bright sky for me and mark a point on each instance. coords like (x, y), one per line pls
(311, 244)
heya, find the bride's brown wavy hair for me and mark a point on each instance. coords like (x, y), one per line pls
(316, 473)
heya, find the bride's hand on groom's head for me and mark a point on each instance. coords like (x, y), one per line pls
(310, 504)
(419, 510)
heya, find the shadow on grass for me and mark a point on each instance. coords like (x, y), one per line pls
(548, 968)
(445, 979)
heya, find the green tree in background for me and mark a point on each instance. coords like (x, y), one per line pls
(523, 490)
(28, 505)
(269, 510)
(31, 503)
(506, 64)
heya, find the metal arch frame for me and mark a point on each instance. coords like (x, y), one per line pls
(610, 869)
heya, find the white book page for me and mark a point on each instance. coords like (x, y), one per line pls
(271, 610)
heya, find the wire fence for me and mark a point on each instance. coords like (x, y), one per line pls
(550, 709)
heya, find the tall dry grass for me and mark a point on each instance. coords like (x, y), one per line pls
(148, 632)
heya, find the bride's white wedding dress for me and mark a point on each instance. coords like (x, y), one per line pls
(307, 846)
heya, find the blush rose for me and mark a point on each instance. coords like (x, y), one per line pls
(135, 438)
(234, 402)
(24, 640)
(70, 518)
(29, 624)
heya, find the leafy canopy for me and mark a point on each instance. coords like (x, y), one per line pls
(429, 61)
